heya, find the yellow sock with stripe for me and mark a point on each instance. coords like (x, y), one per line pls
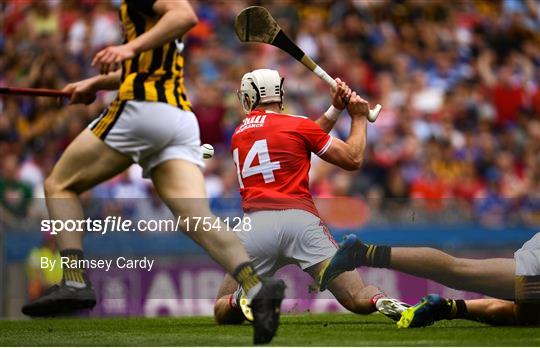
(248, 279)
(72, 274)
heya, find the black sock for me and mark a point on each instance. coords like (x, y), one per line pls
(73, 274)
(246, 276)
(457, 309)
(377, 256)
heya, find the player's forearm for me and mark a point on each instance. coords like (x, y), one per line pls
(357, 141)
(108, 82)
(172, 25)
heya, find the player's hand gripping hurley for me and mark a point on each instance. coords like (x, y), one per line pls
(256, 24)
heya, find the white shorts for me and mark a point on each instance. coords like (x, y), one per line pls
(528, 257)
(150, 133)
(281, 237)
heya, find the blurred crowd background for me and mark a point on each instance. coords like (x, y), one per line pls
(458, 138)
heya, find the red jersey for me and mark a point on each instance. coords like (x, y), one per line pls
(272, 153)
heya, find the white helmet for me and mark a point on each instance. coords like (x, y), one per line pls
(260, 86)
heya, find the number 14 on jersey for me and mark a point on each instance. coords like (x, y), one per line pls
(265, 167)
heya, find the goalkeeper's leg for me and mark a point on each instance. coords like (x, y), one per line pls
(497, 312)
(501, 312)
(491, 311)
(493, 277)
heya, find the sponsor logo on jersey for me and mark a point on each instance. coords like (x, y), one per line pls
(251, 122)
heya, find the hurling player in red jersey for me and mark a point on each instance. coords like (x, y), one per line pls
(272, 152)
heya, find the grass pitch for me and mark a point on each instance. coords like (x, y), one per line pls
(296, 330)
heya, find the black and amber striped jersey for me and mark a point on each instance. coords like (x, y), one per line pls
(154, 75)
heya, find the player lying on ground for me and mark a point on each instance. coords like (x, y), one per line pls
(150, 123)
(272, 152)
(515, 282)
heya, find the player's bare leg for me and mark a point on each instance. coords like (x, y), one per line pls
(502, 312)
(226, 310)
(434, 308)
(493, 277)
(524, 311)
(492, 311)
(350, 291)
(181, 185)
(85, 163)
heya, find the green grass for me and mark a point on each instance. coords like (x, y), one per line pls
(296, 330)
